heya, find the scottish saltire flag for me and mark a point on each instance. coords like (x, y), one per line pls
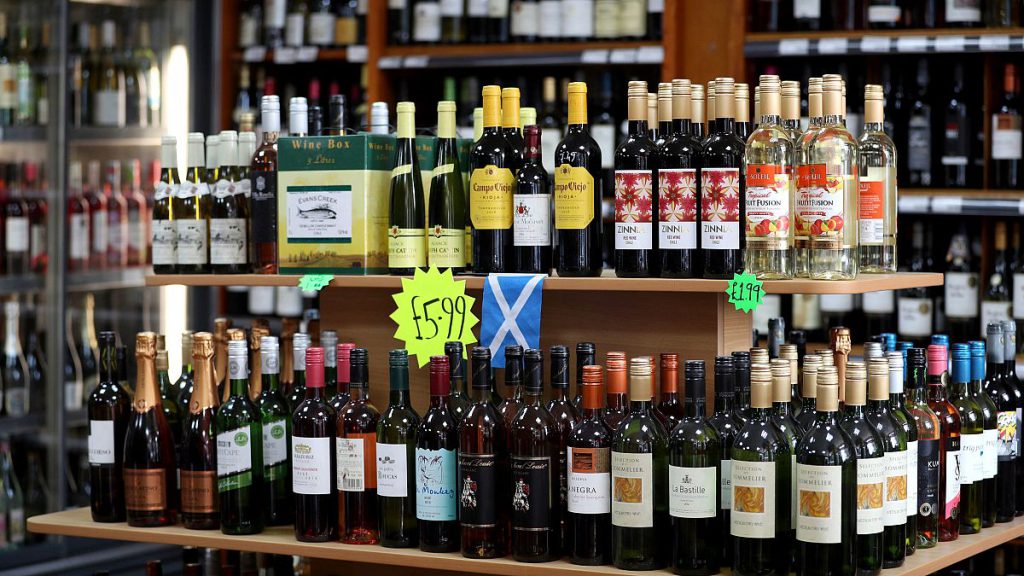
(511, 313)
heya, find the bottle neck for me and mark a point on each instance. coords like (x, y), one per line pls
(639, 407)
(695, 407)
(781, 408)
(108, 364)
(724, 402)
(399, 397)
(533, 397)
(271, 382)
(725, 125)
(826, 417)
(481, 394)
(760, 414)
(854, 410)
(881, 406)
(315, 393)
(638, 128)
(360, 393)
(809, 404)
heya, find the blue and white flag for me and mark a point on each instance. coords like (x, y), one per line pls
(511, 313)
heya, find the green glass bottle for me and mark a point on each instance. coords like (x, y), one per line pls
(870, 453)
(894, 439)
(172, 412)
(898, 408)
(761, 486)
(782, 416)
(191, 210)
(239, 446)
(639, 479)
(396, 452)
(277, 433)
(297, 393)
(826, 475)
(972, 442)
(446, 215)
(183, 385)
(990, 450)
(407, 246)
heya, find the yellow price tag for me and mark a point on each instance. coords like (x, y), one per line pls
(432, 309)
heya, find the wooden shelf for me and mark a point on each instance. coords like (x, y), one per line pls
(303, 55)
(880, 42)
(280, 540)
(606, 283)
(961, 202)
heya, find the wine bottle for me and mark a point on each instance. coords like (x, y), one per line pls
(396, 452)
(344, 376)
(109, 406)
(531, 224)
(407, 248)
(806, 178)
(149, 464)
(535, 452)
(961, 288)
(458, 402)
(809, 393)
(492, 184)
(894, 444)
(399, 22)
(928, 448)
(357, 459)
(586, 353)
(578, 184)
(297, 392)
(741, 106)
(276, 425)
(435, 481)
(678, 160)
(513, 399)
(722, 190)
(200, 509)
(919, 136)
(565, 416)
(669, 410)
(1012, 383)
(497, 21)
(958, 136)
(783, 419)
(229, 251)
(483, 465)
(726, 425)
(192, 212)
(453, 22)
(589, 477)
(916, 306)
(769, 161)
(639, 468)
(15, 370)
(693, 478)
(263, 200)
(989, 450)
(972, 442)
(329, 342)
(1006, 130)
(761, 485)
(446, 238)
(635, 192)
(313, 460)
(900, 411)
(876, 214)
(239, 450)
(742, 360)
(826, 475)
(950, 465)
(665, 124)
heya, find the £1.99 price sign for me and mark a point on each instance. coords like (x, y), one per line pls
(432, 309)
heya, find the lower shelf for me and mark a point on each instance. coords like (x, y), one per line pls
(280, 540)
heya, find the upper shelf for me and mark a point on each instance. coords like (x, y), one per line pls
(876, 42)
(86, 135)
(607, 283)
(303, 55)
(961, 202)
(77, 281)
(281, 540)
(532, 54)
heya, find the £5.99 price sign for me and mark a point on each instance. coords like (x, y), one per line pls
(432, 309)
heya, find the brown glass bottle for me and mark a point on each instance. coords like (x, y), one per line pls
(199, 503)
(263, 207)
(149, 465)
(669, 411)
(313, 458)
(109, 408)
(357, 472)
(585, 356)
(589, 461)
(513, 400)
(616, 408)
(566, 416)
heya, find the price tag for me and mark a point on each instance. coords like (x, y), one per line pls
(623, 56)
(594, 57)
(1020, 207)
(745, 292)
(999, 43)
(416, 61)
(650, 54)
(307, 54)
(314, 282)
(947, 204)
(912, 44)
(833, 46)
(389, 62)
(875, 44)
(950, 43)
(255, 54)
(432, 309)
(794, 47)
(357, 53)
(914, 204)
(284, 55)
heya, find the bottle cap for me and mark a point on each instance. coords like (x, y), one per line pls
(534, 370)
(896, 363)
(440, 381)
(937, 359)
(398, 358)
(315, 367)
(559, 366)
(761, 385)
(640, 379)
(616, 366)
(782, 382)
(481, 368)
(593, 379)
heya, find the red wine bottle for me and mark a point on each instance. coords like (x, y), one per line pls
(437, 440)
(491, 186)
(577, 194)
(678, 165)
(565, 416)
(722, 190)
(635, 193)
(313, 458)
(357, 458)
(531, 224)
(109, 408)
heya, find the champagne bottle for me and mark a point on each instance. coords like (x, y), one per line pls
(313, 460)
(589, 478)
(437, 439)
(972, 442)
(491, 183)
(183, 385)
(407, 248)
(200, 508)
(578, 185)
(396, 453)
(239, 450)
(447, 211)
(109, 406)
(165, 231)
(276, 425)
(149, 464)
(678, 161)
(357, 459)
(635, 192)
(990, 450)
(192, 212)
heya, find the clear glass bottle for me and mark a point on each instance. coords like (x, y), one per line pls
(832, 160)
(876, 214)
(790, 109)
(769, 158)
(803, 172)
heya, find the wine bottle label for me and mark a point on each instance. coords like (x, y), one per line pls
(883, 14)
(72, 394)
(274, 11)
(880, 302)
(807, 9)
(264, 207)
(1006, 426)
(895, 488)
(836, 303)
(163, 190)
(427, 22)
(692, 492)
(634, 197)
(871, 203)
(531, 492)
(990, 453)
(951, 488)
(573, 197)
(768, 190)
(914, 317)
(820, 513)
(753, 499)
(497, 8)
(477, 8)
(145, 489)
(632, 490)
(963, 10)
(311, 465)
(198, 490)
(531, 223)
(919, 147)
(101, 442)
(452, 7)
(720, 208)
(8, 94)
(136, 227)
(16, 527)
(972, 466)
(227, 241)
(1006, 137)
(677, 209)
(321, 29)
(1018, 296)
(223, 188)
(550, 19)
(725, 489)
(525, 18)
(346, 30)
(293, 29)
(578, 22)
(234, 459)
(191, 241)
(16, 401)
(435, 485)
(961, 294)
(490, 205)
(478, 490)
(109, 108)
(397, 4)
(994, 312)
(392, 470)
(589, 480)
(912, 475)
(928, 477)
(275, 447)
(870, 495)
(100, 235)
(243, 187)
(78, 244)
(165, 242)
(357, 462)
(16, 234)
(248, 30)
(633, 18)
(406, 247)
(447, 247)
(606, 20)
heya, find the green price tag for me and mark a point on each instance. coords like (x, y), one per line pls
(315, 282)
(433, 308)
(745, 291)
